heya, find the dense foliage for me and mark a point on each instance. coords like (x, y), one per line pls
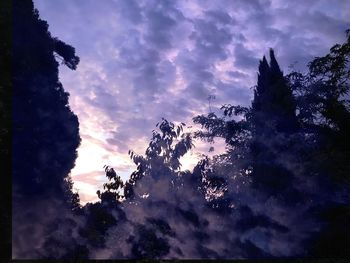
(45, 131)
(280, 190)
(42, 119)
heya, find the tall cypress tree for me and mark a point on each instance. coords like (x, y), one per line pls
(273, 102)
(273, 119)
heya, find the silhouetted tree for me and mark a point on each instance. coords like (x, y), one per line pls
(98, 220)
(273, 120)
(235, 163)
(45, 141)
(323, 102)
(271, 186)
(161, 159)
(71, 198)
(273, 105)
(265, 147)
(158, 184)
(113, 187)
(263, 131)
(46, 131)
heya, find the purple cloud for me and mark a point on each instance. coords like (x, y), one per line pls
(144, 60)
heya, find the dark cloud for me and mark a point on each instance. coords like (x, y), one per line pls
(130, 10)
(210, 40)
(245, 58)
(220, 17)
(159, 29)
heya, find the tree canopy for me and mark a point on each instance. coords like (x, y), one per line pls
(45, 130)
(44, 140)
(279, 190)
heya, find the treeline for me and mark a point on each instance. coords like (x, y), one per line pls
(280, 190)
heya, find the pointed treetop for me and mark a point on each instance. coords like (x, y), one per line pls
(264, 70)
(273, 99)
(273, 62)
(263, 66)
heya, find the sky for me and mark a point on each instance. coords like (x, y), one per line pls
(144, 60)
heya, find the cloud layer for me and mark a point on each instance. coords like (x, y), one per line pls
(144, 60)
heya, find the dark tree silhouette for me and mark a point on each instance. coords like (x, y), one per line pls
(45, 130)
(273, 105)
(156, 185)
(162, 157)
(273, 114)
(265, 130)
(277, 183)
(45, 141)
(323, 102)
(280, 190)
(283, 152)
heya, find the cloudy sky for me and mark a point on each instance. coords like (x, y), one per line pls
(143, 60)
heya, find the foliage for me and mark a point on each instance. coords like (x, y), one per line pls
(294, 133)
(273, 105)
(44, 140)
(45, 130)
(164, 150)
(71, 198)
(279, 190)
(161, 158)
(324, 108)
(324, 113)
